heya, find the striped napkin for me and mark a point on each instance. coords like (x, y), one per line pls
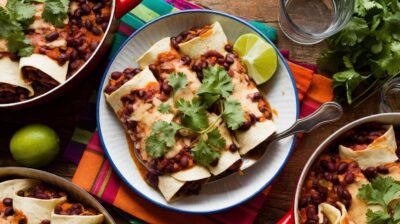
(95, 174)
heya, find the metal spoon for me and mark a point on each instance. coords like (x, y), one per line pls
(327, 113)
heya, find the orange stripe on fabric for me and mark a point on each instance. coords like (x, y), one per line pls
(86, 173)
(302, 76)
(135, 204)
(321, 89)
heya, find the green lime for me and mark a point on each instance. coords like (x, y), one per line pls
(258, 55)
(35, 145)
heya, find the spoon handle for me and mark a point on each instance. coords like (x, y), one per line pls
(327, 113)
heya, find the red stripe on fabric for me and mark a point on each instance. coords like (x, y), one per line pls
(256, 202)
(308, 107)
(125, 29)
(94, 143)
(111, 190)
(100, 177)
(240, 214)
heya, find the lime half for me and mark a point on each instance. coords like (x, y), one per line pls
(258, 55)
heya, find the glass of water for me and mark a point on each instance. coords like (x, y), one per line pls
(311, 21)
(390, 96)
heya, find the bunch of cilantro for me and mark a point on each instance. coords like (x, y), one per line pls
(366, 53)
(383, 192)
(17, 15)
(215, 89)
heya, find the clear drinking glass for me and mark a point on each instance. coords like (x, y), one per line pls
(311, 21)
(390, 96)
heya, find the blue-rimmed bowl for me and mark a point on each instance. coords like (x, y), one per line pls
(236, 189)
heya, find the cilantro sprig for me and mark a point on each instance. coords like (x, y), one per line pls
(177, 81)
(366, 53)
(381, 191)
(162, 138)
(209, 148)
(194, 115)
(164, 108)
(55, 12)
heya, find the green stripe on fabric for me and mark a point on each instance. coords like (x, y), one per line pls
(269, 31)
(159, 6)
(144, 13)
(132, 21)
(81, 136)
(119, 39)
(104, 184)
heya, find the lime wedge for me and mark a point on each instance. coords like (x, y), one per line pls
(258, 55)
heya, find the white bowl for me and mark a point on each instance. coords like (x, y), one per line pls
(280, 91)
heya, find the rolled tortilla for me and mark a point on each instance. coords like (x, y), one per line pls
(169, 186)
(10, 74)
(334, 215)
(192, 174)
(46, 65)
(10, 188)
(150, 56)
(76, 219)
(213, 39)
(251, 138)
(381, 151)
(36, 209)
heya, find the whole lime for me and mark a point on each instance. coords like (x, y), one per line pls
(35, 145)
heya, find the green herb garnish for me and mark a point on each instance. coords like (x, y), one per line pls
(366, 53)
(207, 150)
(233, 114)
(55, 12)
(194, 114)
(177, 81)
(381, 191)
(164, 108)
(162, 138)
(216, 82)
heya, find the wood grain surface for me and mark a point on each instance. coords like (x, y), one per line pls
(62, 114)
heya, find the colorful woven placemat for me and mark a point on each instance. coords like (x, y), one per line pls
(94, 172)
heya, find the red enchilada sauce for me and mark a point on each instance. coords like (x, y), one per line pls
(330, 175)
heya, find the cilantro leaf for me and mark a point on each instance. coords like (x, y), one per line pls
(216, 81)
(177, 81)
(164, 108)
(7, 24)
(21, 12)
(55, 12)
(194, 115)
(377, 217)
(396, 213)
(353, 33)
(380, 191)
(162, 138)
(233, 114)
(215, 139)
(203, 154)
(349, 80)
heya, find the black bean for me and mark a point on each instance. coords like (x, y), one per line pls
(85, 9)
(99, 20)
(8, 211)
(213, 53)
(93, 45)
(353, 165)
(166, 88)
(21, 193)
(136, 71)
(346, 194)
(46, 221)
(128, 109)
(312, 213)
(233, 147)
(116, 75)
(246, 125)
(185, 60)
(214, 162)
(88, 25)
(97, 7)
(184, 161)
(141, 93)
(339, 191)
(327, 176)
(229, 48)
(253, 118)
(200, 76)
(255, 96)
(342, 168)
(327, 166)
(62, 59)
(335, 179)
(349, 178)
(22, 221)
(78, 13)
(230, 59)
(304, 200)
(42, 49)
(96, 31)
(153, 69)
(8, 201)
(179, 39)
(197, 66)
(370, 172)
(174, 43)
(104, 26)
(74, 65)
(382, 169)
(74, 54)
(52, 36)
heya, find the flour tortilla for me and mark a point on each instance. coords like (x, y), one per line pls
(76, 219)
(257, 134)
(46, 65)
(169, 186)
(9, 188)
(213, 39)
(10, 74)
(192, 174)
(141, 80)
(334, 215)
(381, 151)
(150, 56)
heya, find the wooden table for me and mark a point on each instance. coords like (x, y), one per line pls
(62, 114)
